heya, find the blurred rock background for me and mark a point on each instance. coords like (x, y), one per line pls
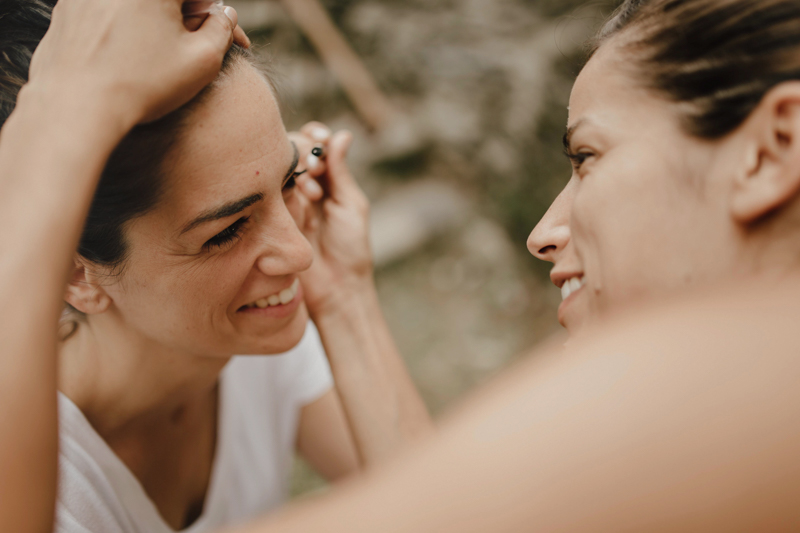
(467, 165)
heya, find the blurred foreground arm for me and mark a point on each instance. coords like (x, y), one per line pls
(381, 403)
(100, 70)
(680, 419)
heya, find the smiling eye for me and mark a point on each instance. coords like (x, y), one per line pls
(226, 236)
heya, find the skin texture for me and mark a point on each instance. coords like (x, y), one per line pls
(675, 421)
(650, 209)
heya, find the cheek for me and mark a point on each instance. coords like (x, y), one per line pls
(188, 296)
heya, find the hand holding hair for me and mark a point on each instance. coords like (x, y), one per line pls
(133, 58)
(195, 13)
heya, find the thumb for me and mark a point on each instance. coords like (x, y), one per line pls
(217, 31)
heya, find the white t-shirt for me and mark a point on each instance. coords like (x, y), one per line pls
(260, 401)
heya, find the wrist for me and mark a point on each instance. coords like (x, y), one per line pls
(348, 299)
(92, 120)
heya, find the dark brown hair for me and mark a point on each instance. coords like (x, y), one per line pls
(132, 180)
(718, 58)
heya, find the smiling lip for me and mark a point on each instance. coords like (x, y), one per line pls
(570, 284)
(279, 310)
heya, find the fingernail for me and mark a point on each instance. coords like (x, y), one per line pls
(320, 134)
(230, 13)
(312, 161)
(312, 188)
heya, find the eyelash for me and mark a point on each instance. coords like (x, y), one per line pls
(226, 236)
(231, 233)
(577, 159)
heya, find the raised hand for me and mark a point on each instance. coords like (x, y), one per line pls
(132, 58)
(336, 223)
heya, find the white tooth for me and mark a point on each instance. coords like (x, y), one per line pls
(295, 285)
(262, 303)
(274, 300)
(565, 290)
(287, 295)
(574, 284)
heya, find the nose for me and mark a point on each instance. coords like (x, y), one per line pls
(285, 250)
(551, 235)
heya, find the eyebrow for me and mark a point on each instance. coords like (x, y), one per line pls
(237, 206)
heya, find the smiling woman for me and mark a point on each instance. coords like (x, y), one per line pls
(190, 257)
(223, 234)
(682, 145)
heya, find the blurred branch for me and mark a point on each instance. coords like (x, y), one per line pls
(357, 82)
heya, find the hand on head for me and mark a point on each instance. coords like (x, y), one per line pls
(195, 13)
(134, 59)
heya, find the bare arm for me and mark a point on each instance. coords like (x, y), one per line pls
(42, 220)
(324, 438)
(683, 419)
(100, 70)
(381, 403)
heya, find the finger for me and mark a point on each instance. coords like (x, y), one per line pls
(310, 188)
(313, 164)
(340, 179)
(193, 22)
(198, 7)
(217, 30)
(240, 37)
(318, 131)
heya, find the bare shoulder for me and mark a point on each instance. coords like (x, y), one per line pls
(679, 417)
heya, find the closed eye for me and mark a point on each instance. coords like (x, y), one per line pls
(226, 236)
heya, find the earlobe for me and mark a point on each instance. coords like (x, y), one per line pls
(84, 293)
(771, 179)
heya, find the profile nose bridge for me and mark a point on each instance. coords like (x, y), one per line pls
(286, 250)
(552, 234)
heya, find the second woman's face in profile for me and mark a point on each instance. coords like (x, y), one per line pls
(645, 211)
(213, 268)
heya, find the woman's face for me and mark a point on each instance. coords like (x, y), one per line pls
(225, 234)
(644, 212)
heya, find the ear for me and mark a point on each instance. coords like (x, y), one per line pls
(772, 176)
(84, 293)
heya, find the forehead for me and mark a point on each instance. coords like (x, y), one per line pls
(232, 142)
(606, 83)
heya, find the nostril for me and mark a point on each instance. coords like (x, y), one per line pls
(546, 249)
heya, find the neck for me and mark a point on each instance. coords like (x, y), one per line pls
(122, 380)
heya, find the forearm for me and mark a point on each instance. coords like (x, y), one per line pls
(382, 404)
(50, 160)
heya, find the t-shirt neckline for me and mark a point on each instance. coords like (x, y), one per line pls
(143, 512)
